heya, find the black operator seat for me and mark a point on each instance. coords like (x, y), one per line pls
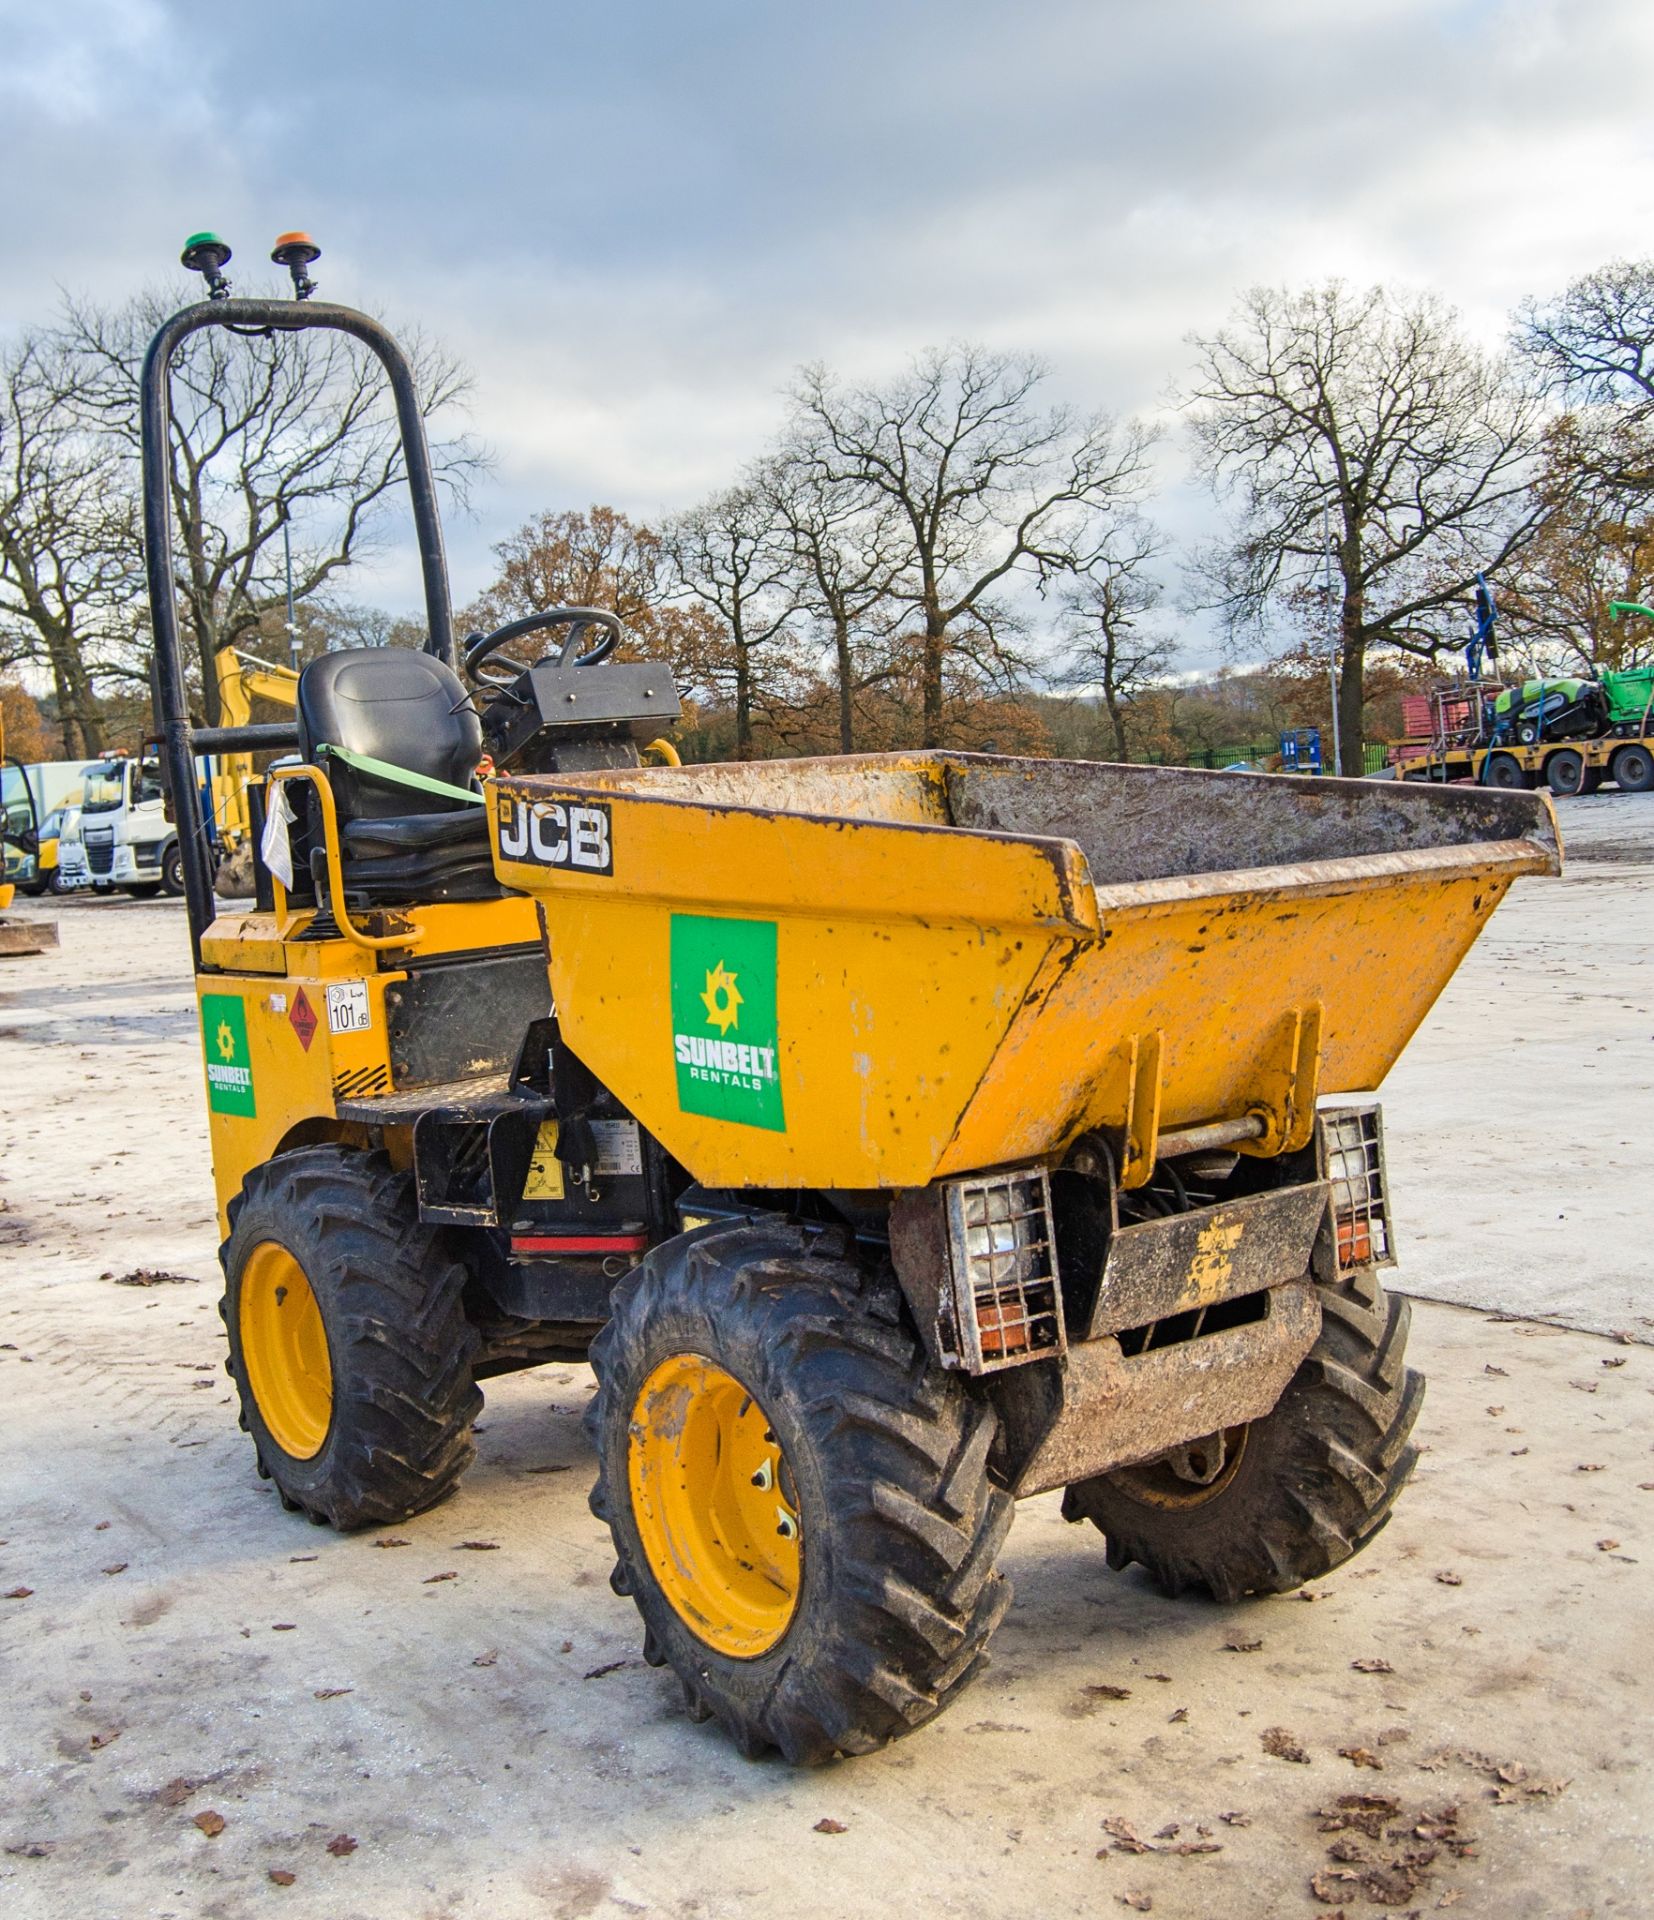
(401, 840)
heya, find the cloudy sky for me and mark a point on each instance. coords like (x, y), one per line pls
(634, 219)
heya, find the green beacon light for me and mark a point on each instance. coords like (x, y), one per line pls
(206, 254)
(295, 252)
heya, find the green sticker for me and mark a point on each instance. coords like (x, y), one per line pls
(229, 1068)
(724, 1030)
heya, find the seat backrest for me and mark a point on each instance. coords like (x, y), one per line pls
(391, 704)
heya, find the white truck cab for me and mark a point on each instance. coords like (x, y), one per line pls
(125, 838)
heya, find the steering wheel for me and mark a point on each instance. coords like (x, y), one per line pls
(481, 647)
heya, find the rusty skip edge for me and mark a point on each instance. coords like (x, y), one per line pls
(1094, 1408)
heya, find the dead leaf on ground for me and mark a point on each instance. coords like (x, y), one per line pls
(1496, 1411)
(1372, 1664)
(1362, 1757)
(478, 1546)
(1236, 1819)
(298, 1559)
(1512, 1772)
(1101, 1691)
(1138, 1902)
(332, 1693)
(829, 1826)
(1188, 1847)
(556, 1469)
(176, 1792)
(31, 1849)
(1618, 1360)
(104, 1739)
(1363, 1812)
(613, 1666)
(1585, 1386)
(1491, 1368)
(284, 1626)
(119, 1566)
(1589, 1466)
(1606, 1546)
(19, 1593)
(1236, 1645)
(432, 1579)
(1125, 1836)
(392, 1542)
(1178, 1717)
(1165, 1677)
(151, 1277)
(1448, 1578)
(486, 1659)
(1280, 1743)
(211, 1822)
(341, 1844)
(282, 1876)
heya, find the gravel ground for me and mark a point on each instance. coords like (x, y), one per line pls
(381, 1742)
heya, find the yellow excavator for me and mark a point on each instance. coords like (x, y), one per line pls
(242, 679)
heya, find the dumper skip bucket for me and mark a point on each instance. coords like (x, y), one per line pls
(877, 970)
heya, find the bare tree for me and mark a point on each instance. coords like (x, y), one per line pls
(1373, 410)
(731, 556)
(982, 482)
(600, 558)
(1110, 648)
(845, 552)
(67, 538)
(287, 430)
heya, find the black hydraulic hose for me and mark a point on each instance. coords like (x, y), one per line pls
(172, 713)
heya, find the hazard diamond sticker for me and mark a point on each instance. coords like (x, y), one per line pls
(303, 1019)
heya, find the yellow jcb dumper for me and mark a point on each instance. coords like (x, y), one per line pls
(898, 1135)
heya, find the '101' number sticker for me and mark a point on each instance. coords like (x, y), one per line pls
(348, 1007)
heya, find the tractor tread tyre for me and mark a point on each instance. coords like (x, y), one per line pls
(399, 1346)
(1316, 1479)
(900, 1524)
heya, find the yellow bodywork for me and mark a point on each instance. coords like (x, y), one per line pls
(264, 962)
(950, 990)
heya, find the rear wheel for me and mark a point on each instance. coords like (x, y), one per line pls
(1633, 769)
(348, 1343)
(1262, 1508)
(1565, 772)
(799, 1502)
(1505, 770)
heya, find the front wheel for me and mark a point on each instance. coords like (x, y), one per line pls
(348, 1341)
(172, 870)
(1261, 1508)
(1505, 770)
(800, 1503)
(142, 890)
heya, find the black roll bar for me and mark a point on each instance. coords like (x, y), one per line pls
(180, 742)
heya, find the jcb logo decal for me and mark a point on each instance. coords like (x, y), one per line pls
(550, 834)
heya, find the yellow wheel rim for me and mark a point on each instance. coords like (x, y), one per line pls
(715, 1506)
(284, 1349)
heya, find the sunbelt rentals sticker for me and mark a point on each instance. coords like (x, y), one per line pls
(725, 1035)
(229, 1067)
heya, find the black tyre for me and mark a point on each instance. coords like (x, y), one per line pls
(172, 870)
(1565, 772)
(142, 890)
(1505, 770)
(1265, 1507)
(799, 1502)
(348, 1343)
(1633, 769)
